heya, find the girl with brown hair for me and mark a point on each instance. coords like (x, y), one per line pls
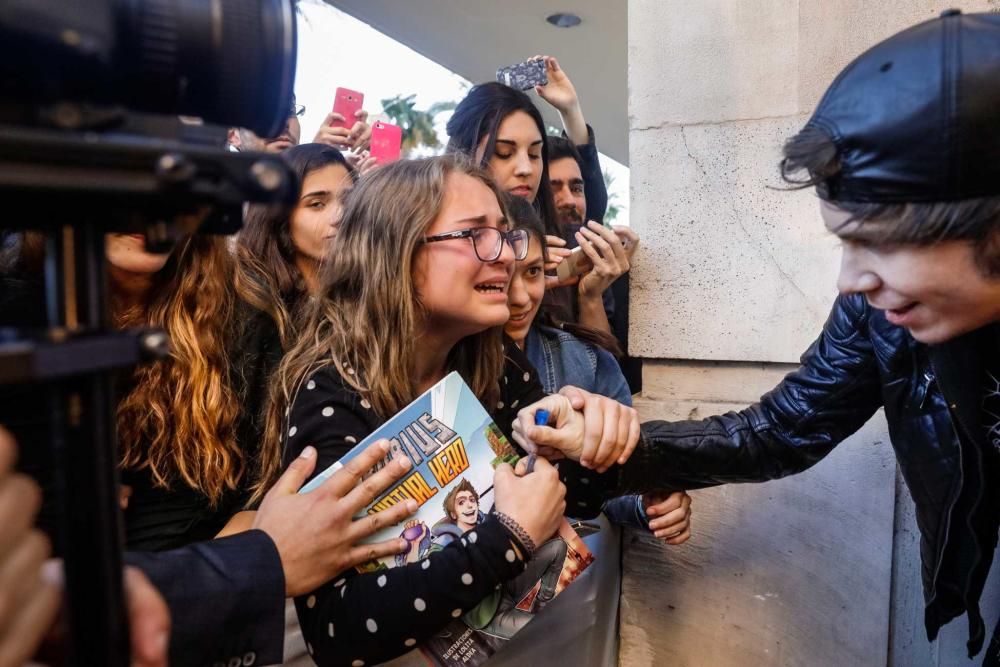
(415, 289)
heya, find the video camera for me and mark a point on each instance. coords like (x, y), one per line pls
(92, 140)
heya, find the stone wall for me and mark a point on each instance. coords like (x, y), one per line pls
(734, 281)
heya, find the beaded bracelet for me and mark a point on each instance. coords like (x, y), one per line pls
(520, 534)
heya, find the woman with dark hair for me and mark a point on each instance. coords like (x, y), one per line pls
(281, 251)
(571, 354)
(502, 129)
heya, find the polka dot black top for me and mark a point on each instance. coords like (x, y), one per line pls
(363, 619)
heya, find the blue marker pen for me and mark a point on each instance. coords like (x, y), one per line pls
(541, 419)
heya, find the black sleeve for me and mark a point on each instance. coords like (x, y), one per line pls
(832, 394)
(368, 618)
(226, 599)
(328, 415)
(593, 178)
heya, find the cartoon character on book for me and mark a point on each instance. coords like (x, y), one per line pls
(501, 614)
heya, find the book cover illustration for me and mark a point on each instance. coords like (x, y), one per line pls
(454, 446)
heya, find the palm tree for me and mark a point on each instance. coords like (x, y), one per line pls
(417, 125)
(614, 208)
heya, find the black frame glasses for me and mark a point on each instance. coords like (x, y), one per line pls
(517, 239)
(296, 110)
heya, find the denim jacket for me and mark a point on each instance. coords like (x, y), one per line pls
(563, 359)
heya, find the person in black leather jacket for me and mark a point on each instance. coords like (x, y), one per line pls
(903, 153)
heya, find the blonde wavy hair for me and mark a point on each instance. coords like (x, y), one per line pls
(367, 315)
(179, 419)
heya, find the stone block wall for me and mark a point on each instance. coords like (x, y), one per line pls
(733, 282)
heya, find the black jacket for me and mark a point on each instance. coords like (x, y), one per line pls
(932, 398)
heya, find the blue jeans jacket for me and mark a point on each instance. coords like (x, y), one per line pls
(563, 359)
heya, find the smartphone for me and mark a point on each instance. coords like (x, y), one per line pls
(575, 265)
(387, 139)
(347, 103)
(524, 76)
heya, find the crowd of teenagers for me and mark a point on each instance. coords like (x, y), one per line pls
(298, 339)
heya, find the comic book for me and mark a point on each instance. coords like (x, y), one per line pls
(454, 446)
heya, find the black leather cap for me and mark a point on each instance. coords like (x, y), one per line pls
(916, 118)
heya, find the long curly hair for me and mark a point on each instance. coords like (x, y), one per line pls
(366, 318)
(179, 419)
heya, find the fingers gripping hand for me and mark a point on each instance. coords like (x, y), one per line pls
(564, 432)
(669, 516)
(315, 533)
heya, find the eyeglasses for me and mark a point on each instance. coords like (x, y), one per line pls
(488, 241)
(296, 110)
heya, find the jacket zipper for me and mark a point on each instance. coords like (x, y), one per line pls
(924, 389)
(939, 556)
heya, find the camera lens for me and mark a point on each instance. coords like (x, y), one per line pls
(227, 61)
(231, 62)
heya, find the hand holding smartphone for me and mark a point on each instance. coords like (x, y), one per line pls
(347, 103)
(524, 76)
(576, 264)
(387, 140)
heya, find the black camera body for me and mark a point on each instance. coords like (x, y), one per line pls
(91, 141)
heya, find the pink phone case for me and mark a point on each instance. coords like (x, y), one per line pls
(386, 142)
(347, 102)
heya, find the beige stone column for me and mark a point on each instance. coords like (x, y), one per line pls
(734, 281)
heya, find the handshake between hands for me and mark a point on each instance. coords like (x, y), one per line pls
(593, 430)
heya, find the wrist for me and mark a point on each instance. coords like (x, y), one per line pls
(517, 533)
(590, 293)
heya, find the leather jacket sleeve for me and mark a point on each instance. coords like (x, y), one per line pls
(832, 394)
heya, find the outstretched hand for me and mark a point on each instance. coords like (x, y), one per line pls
(315, 532)
(612, 429)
